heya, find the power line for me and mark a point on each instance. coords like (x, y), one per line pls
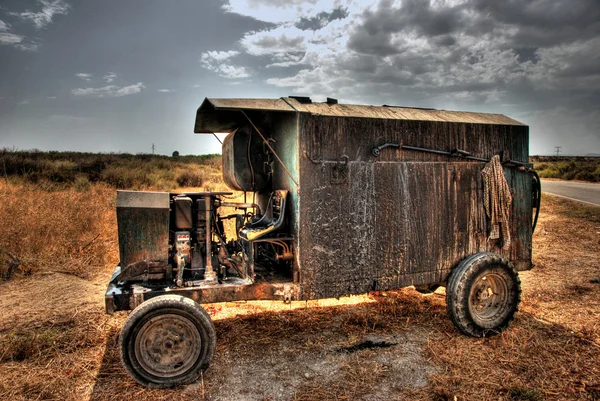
(153, 147)
(557, 150)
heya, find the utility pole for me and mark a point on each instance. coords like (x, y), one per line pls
(557, 149)
(153, 147)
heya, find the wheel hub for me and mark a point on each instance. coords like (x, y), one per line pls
(167, 345)
(489, 298)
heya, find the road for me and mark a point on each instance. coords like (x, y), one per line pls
(579, 191)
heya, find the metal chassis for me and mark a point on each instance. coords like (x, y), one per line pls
(121, 298)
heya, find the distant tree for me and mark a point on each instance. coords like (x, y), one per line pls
(176, 154)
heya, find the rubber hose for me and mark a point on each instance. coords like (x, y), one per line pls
(537, 187)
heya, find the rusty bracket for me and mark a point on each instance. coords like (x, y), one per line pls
(339, 172)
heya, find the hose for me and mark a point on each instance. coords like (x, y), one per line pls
(537, 196)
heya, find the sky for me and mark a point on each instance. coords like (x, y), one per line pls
(122, 75)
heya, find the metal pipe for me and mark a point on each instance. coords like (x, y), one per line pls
(244, 205)
(209, 274)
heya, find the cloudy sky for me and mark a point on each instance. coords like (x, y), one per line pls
(120, 75)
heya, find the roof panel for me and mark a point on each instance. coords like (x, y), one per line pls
(251, 104)
(363, 111)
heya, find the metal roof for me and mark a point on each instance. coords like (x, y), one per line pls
(290, 104)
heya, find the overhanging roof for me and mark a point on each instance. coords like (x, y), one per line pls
(227, 119)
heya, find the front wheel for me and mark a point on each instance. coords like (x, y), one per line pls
(483, 294)
(167, 341)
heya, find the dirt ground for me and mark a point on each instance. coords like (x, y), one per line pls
(57, 344)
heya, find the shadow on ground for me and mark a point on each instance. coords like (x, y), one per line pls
(315, 354)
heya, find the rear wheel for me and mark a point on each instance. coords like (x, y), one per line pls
(167, 341)
(483, 294)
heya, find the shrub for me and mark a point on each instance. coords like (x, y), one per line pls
(82, 184)
(189, 178)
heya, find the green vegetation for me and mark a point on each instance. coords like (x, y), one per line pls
(568, 168)
(123, 171)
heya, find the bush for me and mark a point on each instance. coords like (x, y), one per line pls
(188, 178)
(82, 184)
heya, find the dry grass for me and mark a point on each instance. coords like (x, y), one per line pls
(59, 170)
(56, 342)
(62, 230)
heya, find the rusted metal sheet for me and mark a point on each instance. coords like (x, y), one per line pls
(404, 217)
(143, 227)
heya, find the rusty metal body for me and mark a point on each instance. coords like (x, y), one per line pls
(377, 198)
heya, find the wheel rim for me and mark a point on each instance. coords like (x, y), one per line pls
(167, 345)
(489, 300)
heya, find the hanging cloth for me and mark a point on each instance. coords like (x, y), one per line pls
(497, 201)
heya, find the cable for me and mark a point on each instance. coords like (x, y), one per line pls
(537, 191)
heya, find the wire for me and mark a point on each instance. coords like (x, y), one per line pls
(215, 135)
(250, 159)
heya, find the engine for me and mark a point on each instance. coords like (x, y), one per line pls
(183, 239)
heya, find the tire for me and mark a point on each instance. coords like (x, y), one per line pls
(483, 294)
(167, 341)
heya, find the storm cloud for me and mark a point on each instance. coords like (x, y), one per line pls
(537, 62)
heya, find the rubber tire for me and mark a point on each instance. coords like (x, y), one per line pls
(459, 287)
(172, 304)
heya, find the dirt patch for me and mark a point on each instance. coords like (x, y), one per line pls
(302, 367)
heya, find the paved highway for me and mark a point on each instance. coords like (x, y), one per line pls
(580, 191)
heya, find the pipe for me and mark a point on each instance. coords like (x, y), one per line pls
(209, 274)
(244, 205)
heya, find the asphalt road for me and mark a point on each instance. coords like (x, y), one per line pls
(580, 191)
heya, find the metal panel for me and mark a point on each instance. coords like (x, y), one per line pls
(143, 226)
(404, 218)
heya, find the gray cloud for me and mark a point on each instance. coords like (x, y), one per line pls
(218, 61)
(111, 76)
(84, 76)
(109, 91)
(40, 19)
(278, 3)
(7, 37)
(321, 19)
(262, 44)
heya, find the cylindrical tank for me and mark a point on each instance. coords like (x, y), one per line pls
(244, 160)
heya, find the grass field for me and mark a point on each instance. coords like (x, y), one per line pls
(56, 343)
(568, 168)
(59, 170)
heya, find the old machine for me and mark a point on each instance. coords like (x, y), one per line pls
(330, 200)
